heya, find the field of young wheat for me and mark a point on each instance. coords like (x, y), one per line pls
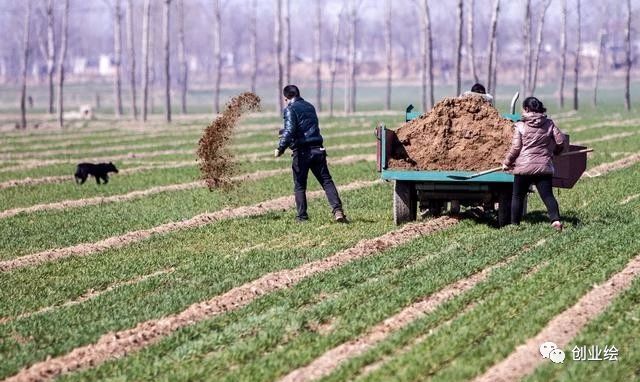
(154, 277)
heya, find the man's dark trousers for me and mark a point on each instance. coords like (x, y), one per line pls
(314, 159)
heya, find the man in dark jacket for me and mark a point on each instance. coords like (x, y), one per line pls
(301, 134)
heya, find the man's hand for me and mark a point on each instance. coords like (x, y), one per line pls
(277, 153)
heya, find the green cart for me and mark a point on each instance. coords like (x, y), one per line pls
(431, 192)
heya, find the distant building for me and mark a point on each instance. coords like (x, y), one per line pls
(106, 65)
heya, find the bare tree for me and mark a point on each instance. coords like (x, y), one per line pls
(333, 66)
(459, 29)
(526, 45)
(117, 57)
(491, 86)
(353, 35)
(317, 53)
(278, 44)
(63, 53)
(132, 58)
(253, 44)
(576, 68)
(426, 53)
(494, 79)
(389, 51)
(48, 48)
(563, 48)
(146, 15)
(167, 59)
(538, 46)
(182, 59)
(601, 47)
(287, 40)
(627, 40)
(217, 52)
(470, 40)
(25, 62)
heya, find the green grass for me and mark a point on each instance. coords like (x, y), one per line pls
(50, 229)
(279, 331)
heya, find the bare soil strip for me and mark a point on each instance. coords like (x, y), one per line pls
(68, 178)
(75, 203)
(90, 151)
(84, 249)
(611, 123)
(115, 345)
(88, 295)
(47, 162)
(612, 166)
(106, 148)
(608, 137)
(630, 199)
(262, 156)
(329, 361)
(562, 328)
(376, 365)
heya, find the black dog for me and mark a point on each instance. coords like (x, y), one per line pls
(99, 171)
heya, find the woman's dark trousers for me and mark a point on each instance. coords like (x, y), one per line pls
(521, 186)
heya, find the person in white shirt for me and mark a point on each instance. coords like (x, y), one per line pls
(479, 90)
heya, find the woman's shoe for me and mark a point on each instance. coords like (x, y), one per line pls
(557, 225)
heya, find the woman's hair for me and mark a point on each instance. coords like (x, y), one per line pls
(533, 105)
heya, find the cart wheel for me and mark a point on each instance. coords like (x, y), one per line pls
(504, 208)
(455, 207)
(405, 202)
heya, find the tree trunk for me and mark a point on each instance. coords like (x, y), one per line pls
(470, 41)
(526, 45)
(539, 46)
(426, 53)
(25, 63)
(333, 67)
(317, 53)
(459, 36)
(253, 44)
(117, 58)
(132, 58)
(563, 47)
(146, 15)
(627, 40)
(51, 53)
(352, 59)
(287, 39)
(347, 69)
(494, 79)
(601, 50)
(279, 63)
(182, 59)
(389, 51)
(576, 68)
(492, 47)
(167, 60)
(63, 53)
(217, 52)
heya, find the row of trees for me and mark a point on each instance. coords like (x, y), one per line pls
(341, 38)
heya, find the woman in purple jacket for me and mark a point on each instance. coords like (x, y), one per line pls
(530, 159)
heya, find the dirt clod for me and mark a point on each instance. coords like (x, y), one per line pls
(464, 133)
(216, 161)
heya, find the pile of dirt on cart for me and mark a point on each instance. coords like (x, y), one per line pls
(464, 133)
(215, 159)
